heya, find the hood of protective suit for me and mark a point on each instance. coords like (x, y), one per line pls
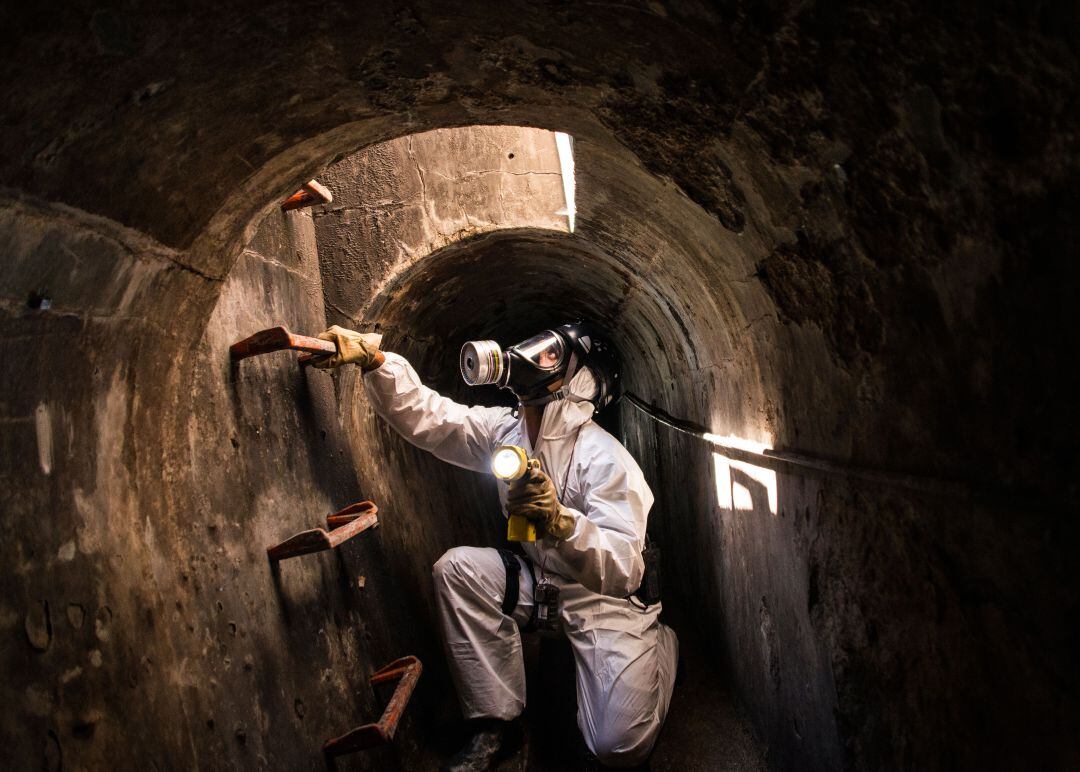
(560, 424)
(563, 417)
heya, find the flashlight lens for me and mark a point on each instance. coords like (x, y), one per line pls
(507, 463)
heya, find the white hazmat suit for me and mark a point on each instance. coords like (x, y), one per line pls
(625, 658)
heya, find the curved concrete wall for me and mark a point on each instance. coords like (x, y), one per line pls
(850, 227)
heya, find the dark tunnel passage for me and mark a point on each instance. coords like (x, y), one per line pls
(838, 243)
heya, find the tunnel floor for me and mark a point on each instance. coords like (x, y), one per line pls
(706, 729)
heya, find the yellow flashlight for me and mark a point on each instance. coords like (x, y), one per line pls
(511, 462)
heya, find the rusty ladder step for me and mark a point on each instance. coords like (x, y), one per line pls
(313, 192)
(343, 525)
(406, 671)
(279, 339)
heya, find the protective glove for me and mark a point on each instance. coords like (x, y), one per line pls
(533, 497)
(359, 348)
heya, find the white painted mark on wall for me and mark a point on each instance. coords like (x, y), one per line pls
(43, 427)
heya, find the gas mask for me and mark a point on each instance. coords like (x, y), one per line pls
(531, 368)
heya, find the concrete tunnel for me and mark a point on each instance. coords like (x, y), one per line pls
(837, 240)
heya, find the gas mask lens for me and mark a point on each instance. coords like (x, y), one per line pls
(544, 351)
(482, 362)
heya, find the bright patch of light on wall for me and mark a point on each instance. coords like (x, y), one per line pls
(564, 143)
(731, 441)
(741, 486)
(741, 497)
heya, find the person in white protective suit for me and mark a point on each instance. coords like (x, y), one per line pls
(591, 505)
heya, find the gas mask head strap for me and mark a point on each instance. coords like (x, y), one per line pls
(560, 393)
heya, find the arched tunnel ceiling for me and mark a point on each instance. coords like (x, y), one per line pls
(516, 283)
(357, 75)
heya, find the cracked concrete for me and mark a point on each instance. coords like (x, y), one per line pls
(360, 243)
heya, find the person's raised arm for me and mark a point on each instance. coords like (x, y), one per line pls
(453, 432)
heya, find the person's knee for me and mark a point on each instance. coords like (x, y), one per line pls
(618, 755)
(618, 742)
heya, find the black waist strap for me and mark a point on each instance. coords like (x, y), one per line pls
(512, 564)
(513, 570)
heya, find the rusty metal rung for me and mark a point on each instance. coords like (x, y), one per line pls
(408, 670)
(350, 513)
(279, 339)
(343, 525)
(313, 192)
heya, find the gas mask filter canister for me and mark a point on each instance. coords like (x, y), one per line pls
(483, 362)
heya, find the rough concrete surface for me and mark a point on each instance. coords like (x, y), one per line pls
(841, 231)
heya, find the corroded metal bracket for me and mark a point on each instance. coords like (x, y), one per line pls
(312, 193)
(343, 525)
(408, 670)
(351, 513)
(279, 339)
